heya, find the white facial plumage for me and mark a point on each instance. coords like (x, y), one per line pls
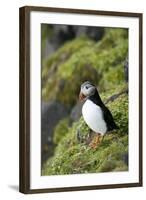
(87, 89)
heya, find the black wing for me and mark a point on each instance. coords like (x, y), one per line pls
(109, 119)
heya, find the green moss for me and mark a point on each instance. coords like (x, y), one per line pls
(113, 38)
(62, 74)
(83, 59)
(64, 54)
(72, 157)
(82, 159)
(120, 113)
(60, 130)
(112, 77)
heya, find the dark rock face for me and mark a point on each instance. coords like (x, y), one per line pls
(63, 33)
(94, 33)
(76, 112)
(125, 158)
(51, 113)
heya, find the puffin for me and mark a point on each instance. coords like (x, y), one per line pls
(95, 114)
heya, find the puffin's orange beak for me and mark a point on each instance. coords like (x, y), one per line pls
(81, 96)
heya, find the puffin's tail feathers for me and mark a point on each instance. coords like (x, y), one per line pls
(113, 126)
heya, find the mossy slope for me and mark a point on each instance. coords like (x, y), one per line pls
(72, 156)
(62, 74)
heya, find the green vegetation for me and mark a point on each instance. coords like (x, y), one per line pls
(60, 130)
(83, 59)
(72, 156)
(101, 63)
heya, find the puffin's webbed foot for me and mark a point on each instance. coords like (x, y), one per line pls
(97, 139)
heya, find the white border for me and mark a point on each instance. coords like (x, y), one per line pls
(132, 176)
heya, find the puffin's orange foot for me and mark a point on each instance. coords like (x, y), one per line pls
(96, 141)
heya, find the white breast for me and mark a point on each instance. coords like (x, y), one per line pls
(93, 117)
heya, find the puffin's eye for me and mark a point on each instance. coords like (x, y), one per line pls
(86, 87)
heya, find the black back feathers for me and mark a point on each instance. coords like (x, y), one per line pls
(106, 113)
